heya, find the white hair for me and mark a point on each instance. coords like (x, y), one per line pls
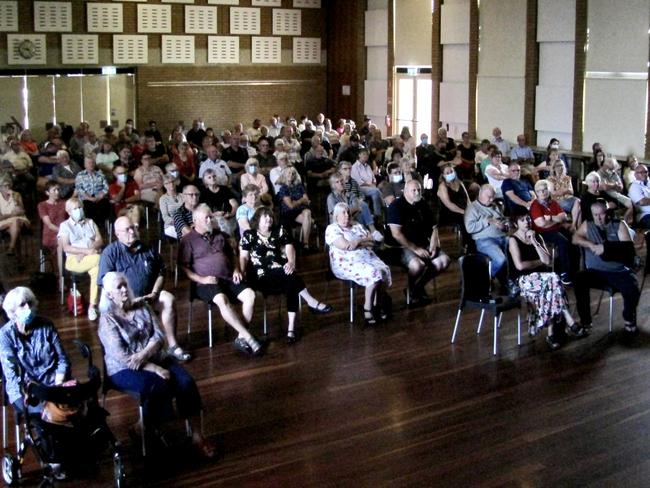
(339, 208)
(109, 284)
(15, 297)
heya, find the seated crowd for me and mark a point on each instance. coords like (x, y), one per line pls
(243, 205)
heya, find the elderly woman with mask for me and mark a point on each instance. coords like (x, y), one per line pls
(252, 176)
(132, 341)
(30, 347)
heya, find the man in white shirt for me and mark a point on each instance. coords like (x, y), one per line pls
(639, 192)
(363, 174)
(218, 165)
(501, 143)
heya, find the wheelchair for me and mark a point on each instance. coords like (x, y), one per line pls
(76, 443)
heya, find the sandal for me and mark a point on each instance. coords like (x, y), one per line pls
(320, 311)
(292, 337)
(553, 343)
(369, 321)
(179, 354)
(577, 330)
(206, 449)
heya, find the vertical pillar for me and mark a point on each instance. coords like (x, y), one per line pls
(390, 68)
(580, 60)
(436, 68)
(473, 67)
(532, 70)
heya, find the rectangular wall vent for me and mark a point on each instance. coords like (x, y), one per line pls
(223, 2)
(201, 20)
(26, 49)
(154, 18)
(306, 3)
(52, 16)
(286, 22)
(8, 16)
(244, 20)
(130, 49)
(79, 49)
(266, 50)
(177, 1)
(177, 49)
(306, 50)
(266, 3)
(105, 17)
(223, 49)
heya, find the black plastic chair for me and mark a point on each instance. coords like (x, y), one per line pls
(476, 292)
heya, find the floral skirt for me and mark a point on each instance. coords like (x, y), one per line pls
(545, 297)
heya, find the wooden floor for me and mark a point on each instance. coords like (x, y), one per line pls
(397, 405)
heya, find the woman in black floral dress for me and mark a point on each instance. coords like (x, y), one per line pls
(272, 259)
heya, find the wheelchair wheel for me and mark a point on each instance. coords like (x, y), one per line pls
(119, 474)
(10, 469)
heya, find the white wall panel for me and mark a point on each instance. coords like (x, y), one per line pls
(454, 23)
(454, 102)
(500, 102)
(377, 63)
(614, 115)
(502, 38)
(413, 33)
(376, 23)
(377, 4)
(455, 62)
(554, 108)
(556, 20)
(375, 96)
(618, 35)
(556, 63)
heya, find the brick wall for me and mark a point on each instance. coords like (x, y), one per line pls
(293, 91)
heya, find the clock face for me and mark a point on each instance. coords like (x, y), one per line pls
(27, 49)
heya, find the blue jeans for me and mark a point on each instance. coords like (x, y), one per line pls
(365, 217)
(494, 248)
(375, 196)
(157, 393)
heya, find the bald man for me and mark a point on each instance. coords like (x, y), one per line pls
(412, 225)
(145, 271)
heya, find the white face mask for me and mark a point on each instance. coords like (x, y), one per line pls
(555, 146)
(174, 174)
(121, 178)
(252, 169)
(450, 177)
(396, 178)
(77, 214)
(24, 316)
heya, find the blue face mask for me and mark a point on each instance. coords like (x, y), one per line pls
(425, 141)
(24, 316)
(450, 177)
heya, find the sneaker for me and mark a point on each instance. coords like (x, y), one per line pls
(631, 329)
(376, 235)
(255, 347)
(242, 346)
(92, 313)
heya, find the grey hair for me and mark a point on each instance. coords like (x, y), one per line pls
(592, 176)
(251, 162)
(543, 183)
(15, 297)
(62, 152)
(109, 284)
(335, 177)
(339, 208)
(201, 208)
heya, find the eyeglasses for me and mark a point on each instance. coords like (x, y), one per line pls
(191, 194)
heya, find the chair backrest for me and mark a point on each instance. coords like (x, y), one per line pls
(476, 283)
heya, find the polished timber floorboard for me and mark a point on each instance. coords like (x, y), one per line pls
(397, 405)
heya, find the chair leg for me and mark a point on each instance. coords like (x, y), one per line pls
(188, 428)
(518, 328)
(62, 287)
(602, 293)
(266, 329)
(146, 215)
(500, 317)
(142, 430)
(496, 332)
(210, 326)
(189, 319)
(74, 296)
(408, 295)
(351, 303)
(4, 427)
(453, 335)
(611, 311)
(480, 321)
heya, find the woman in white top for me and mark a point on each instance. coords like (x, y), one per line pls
(496, 172)
(149, 179)
(81, 241)
(352, 258)
(12, 212)
(169, 203)
(106, 158)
